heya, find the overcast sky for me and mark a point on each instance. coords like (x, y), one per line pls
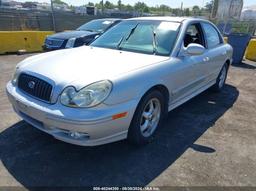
(171, 3)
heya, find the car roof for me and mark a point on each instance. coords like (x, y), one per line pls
(166, 18)
(110, 19)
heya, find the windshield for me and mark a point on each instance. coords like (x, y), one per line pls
(96, 26)
(149, 37)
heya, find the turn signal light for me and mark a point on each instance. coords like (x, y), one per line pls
(120, 115)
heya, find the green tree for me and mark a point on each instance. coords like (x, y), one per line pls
(90, 4)
(98, 5)
(141, 7)
(187, 12)
(164, 9)
(59, 2)
(128, 7)
(119, 5)
(196, 10)
(154, 9)
(109, 5)
(209, 6)
(176, 12)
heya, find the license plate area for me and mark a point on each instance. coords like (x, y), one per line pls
(22, 106)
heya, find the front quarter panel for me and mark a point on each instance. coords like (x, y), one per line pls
(135, 84)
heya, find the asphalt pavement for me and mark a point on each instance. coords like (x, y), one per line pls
(208, 141)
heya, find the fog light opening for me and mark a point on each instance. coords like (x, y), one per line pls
(78, 135)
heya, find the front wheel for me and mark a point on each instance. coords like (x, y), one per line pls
(220, 82)
(148, 117)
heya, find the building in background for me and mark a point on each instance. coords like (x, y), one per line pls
(86, 10)
(9, 4)
(61, 7)
(115, 12)
(249, 13)
(227, 9)
(29, 5)
(44, 6)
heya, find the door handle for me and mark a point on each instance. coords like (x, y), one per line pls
(206, 59)
(224, 53)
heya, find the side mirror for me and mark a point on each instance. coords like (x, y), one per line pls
(194, 49)
(97, 36)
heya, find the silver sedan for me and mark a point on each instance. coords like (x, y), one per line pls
(124, 83)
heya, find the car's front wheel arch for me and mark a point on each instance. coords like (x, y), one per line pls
(159, 93)
(164, 91)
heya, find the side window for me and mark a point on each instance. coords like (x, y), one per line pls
(194, 35)
(211, 34)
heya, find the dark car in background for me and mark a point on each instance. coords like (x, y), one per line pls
(83, 35)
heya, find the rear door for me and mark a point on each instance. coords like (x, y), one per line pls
(215, 53)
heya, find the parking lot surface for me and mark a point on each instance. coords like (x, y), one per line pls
(208, 141)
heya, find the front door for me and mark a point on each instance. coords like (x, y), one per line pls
(190, 75)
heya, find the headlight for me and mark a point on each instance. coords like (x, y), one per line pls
(71, 43)
(88, 96)
(15, 78)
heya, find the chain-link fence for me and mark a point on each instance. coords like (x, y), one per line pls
(236, 26)
(14, 20)
(18, 20)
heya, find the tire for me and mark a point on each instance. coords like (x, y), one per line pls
(220, 81)
(147, 119)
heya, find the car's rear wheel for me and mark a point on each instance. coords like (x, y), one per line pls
(148, 117)
(220, 82)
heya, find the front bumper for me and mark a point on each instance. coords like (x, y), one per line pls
(95, 124)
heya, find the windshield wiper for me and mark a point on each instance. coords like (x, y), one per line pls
(128, 36)
(90, 30)
(154, 43)
(120, 43)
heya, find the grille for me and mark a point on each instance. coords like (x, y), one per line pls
(54, 42)
(35, 87)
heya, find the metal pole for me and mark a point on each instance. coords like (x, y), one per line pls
(102, 6)
(181, 9)
(213, 8)
(53, 17)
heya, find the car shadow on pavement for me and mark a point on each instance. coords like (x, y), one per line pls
(245, 65)
(34, 158)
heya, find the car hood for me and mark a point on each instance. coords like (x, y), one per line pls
(72, 34)
(84, 65)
